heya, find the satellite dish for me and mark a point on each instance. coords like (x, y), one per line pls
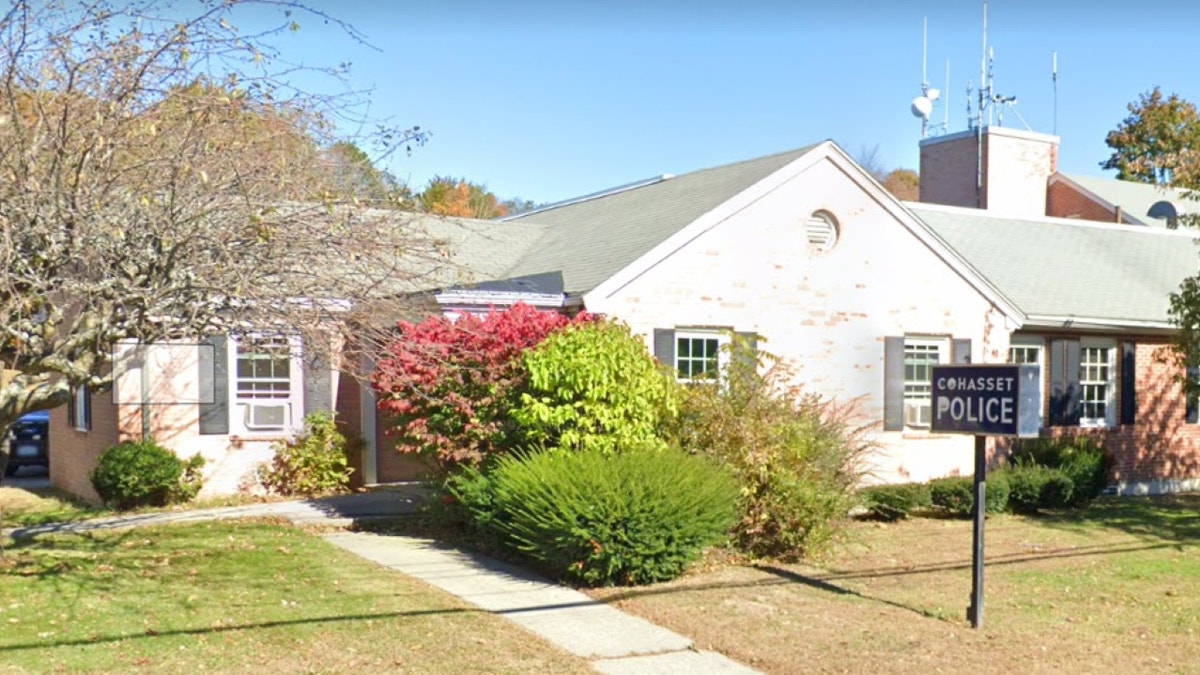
(921, 107)
(933, 94)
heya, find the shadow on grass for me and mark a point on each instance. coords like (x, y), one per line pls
(1173, 518)
(827, 581)
(213, 630)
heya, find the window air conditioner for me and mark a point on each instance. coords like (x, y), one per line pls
(917, 413)
(267, 415)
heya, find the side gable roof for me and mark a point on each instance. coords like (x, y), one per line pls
(1135, 199)
(591, 239)
(1062, 272)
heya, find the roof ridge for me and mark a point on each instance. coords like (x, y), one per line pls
(655, 180)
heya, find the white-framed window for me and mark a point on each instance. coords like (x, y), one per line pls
(267, 384)
(920, 356)
(80, 410)
(699, 355)
(1097, 383)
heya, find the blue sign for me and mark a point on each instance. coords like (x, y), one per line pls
(986, 400)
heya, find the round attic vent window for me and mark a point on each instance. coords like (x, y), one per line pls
(821, 230)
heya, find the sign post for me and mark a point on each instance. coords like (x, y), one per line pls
(984, 400)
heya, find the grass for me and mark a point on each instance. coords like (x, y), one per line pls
(1109, 588)
(238, 597)
(20, 507)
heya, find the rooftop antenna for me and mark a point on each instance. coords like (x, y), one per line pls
(946, 102)
(1054, 79)
(922, 106)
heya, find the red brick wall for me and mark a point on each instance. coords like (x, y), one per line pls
(73, 454)
(1160, 446)
(349, 422)
(393, 465)
(1064, 201)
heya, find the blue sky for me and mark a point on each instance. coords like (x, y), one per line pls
(549, 100)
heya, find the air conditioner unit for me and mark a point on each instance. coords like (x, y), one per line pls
(267, 415)
(917, 413)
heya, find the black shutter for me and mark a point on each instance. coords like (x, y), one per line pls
(893, 384)
(1193, 399)
(664, 346)
(318, 383)
(214, 368)
(1128, 382)
(1065, 407)
(961, 351)
(87, 409)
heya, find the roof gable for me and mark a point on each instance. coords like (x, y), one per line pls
(1137, 200)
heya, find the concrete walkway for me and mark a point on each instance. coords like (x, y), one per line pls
(614, 642)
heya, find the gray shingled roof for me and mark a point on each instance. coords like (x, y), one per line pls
(1135, 199)
(1051, 267)
(592, 239)
(447, 252)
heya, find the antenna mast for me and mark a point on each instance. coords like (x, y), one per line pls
(1054, 79)
(979, 112)
(922, 106)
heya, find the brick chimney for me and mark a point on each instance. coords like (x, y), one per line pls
(1009, 178)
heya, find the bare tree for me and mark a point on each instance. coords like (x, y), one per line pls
(159, 180)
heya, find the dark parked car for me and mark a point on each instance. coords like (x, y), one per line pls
(29, 442)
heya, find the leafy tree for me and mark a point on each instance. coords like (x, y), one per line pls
(452, 384)
(1156, 143)
(595, 387)
(901, 183)
(161, 178)
(358, 176)
(445, 196)
(904, 184)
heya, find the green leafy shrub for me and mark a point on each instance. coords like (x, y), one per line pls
(895, 502)
(797, 457)
(134, 474)
(451, 384)
(956, 494)
(997, 493)
(313, 463)
(1034, 487)
(594, 386)
(1084, 462)
(600, 518)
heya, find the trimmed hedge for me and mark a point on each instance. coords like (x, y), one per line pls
(894, 502)
(956, 494)
(1081, 460)
(1035, 487)
(601, 518)
(142, 473)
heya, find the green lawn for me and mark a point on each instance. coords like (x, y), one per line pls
(238, 597)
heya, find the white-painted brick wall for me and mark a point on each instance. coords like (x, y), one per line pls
(827, 313)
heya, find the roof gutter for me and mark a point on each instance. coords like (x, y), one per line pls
(1098, 324)
(500, 298)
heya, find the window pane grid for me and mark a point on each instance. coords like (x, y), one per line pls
(1094, 373)
(919, 360)
(1024, 355)
(264, 370)
(696, 358)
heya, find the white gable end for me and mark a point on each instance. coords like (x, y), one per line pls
(824, 295)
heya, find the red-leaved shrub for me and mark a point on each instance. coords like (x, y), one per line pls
(450, 384)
